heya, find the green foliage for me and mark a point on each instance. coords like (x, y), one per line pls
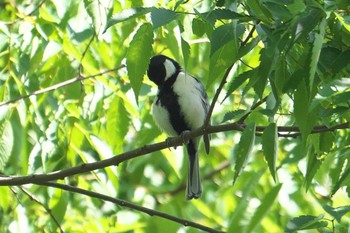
(270, 147)
(244, 149)
(73, 91)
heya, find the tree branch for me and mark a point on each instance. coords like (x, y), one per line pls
(170, 142)
(128, 205)
(59, 85)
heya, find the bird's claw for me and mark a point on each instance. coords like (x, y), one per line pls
(168, 142)
(184, 136)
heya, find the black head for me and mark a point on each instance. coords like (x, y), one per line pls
(161, 68)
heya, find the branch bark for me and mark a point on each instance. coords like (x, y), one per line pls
(170, 142)
(130, 205)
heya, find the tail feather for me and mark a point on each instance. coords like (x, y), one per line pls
(194, 187)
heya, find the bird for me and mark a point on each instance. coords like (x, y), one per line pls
(181, 105)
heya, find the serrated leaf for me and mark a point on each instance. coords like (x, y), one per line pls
(185, 48)
(127, 14)
(138, 56)
(6, 142)
(117, 124)
(267, 59)
(160, 17)
(293, 82)
(316, 50)
(223, 35)
(307, 23)
(333, 60)
(231, 115)
(305, 118)
(264, 208)
(238, 81)
(259, 10)
(338, 212)
(341, 98)
(98, 12)
(313, 164)
(220, 61)
(345, 175)
(244, 149)
(198, 27)
(270, 147)
(326, 141)
(305, 222)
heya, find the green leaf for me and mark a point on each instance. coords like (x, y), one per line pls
(313, 164)
(306, 23)
(233, 114)
(267, 63)
(316, 50)
(244, 149)
(220, 61)
(117, 124)
(220, 14)
(224, 50)
(293, 82)
(237, 81)
(249, 186)
(6, 142)
(161, 17)
(327, 139)
(185, 47)
(305, 222)
(270, 147)
(338, 212)
(138, 55)
(198, 27)
(341, 98)
(259, 10)
(58, 204)
(344, 176)
(127, 14)
(332, 61)
(305, 118)
(264, 208)
(222, 35)
(102, 148)
(98, 11)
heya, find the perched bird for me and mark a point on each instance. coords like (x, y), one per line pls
(181, 105)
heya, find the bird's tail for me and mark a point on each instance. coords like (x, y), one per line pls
(194, 187)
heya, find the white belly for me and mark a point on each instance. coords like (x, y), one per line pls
(161, 117)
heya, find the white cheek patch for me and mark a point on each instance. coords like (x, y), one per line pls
(170, 69)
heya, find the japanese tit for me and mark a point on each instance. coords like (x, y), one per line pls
(181, 104)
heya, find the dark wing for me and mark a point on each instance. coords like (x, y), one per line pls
(206, 106)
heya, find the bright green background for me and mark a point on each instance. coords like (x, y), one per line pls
(297, 55)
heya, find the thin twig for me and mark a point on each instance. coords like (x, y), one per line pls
(58, 85)
(243, 118)
(222, 83)
(48, 210)
(128, 205)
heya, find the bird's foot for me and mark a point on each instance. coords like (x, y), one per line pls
(168, 142)
(184, 136)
